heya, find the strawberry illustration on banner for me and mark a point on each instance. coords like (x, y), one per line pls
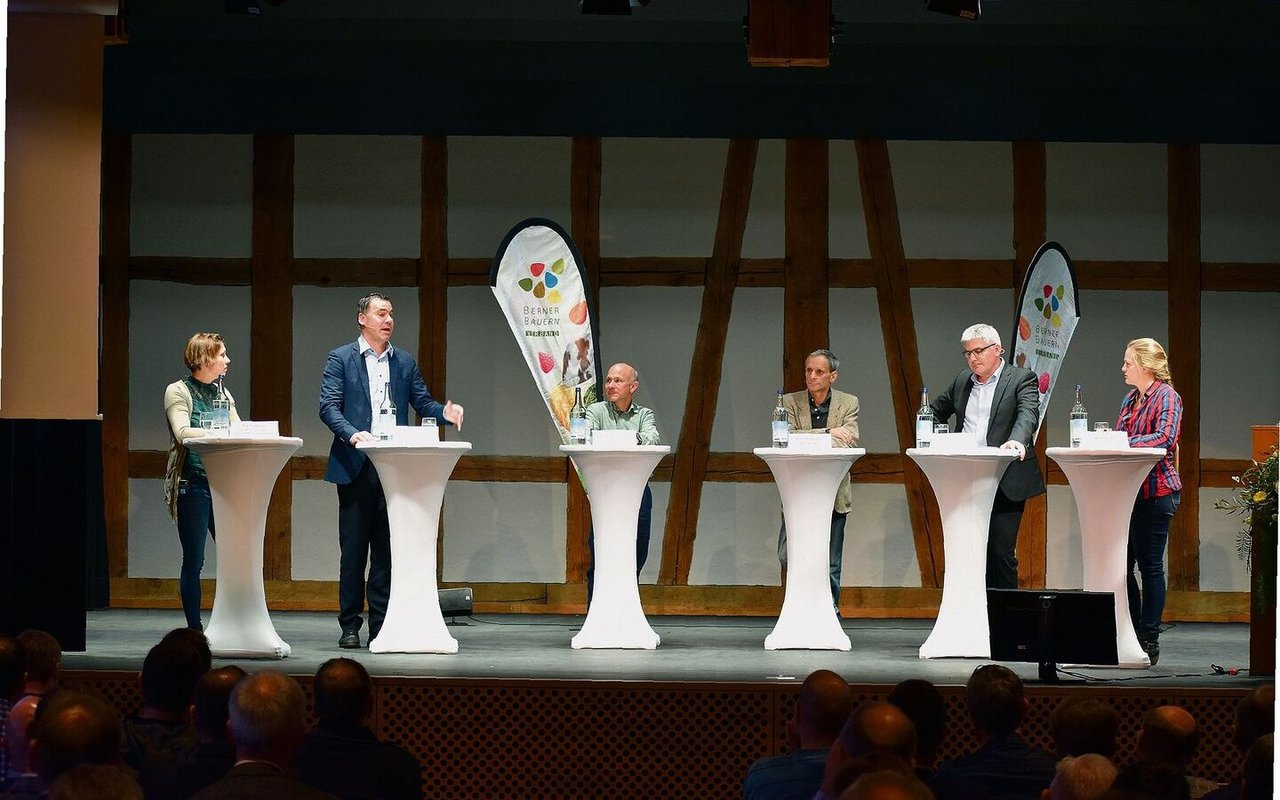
(1047, 313)
(537, 279)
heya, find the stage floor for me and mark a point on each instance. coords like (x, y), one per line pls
(693, 649)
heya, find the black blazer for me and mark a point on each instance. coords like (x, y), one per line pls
(261, 781)
(1015, 410)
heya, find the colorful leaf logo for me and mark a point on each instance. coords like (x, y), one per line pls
(1050, 303)
(543, 280)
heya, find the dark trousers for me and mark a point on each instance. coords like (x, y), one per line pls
(364, 537)
(1148, 537)
(1002, 542)
(835, 551)
(642, 541)
(195, 523)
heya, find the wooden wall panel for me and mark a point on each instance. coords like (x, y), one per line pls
(113, 384)
(806, 284)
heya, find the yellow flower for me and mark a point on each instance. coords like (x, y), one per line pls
(1258, 497)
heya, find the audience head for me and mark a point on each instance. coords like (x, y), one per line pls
(995, 699)
(17, 734)
(1259, 769)
(343, 692)
(209, 702)
(1169, 735)
(1085, 777)
(887, 784)
(171, 670)
(1081, 725)
(1255, 716)
(821, 710)
(96, 782)
(878, 727)
(843, 773)
(44, 656)
(925, 707)
(13, 667)
(1146, 781)
(267, 712)
(71, 728)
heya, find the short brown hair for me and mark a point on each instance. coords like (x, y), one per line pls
(201, 349)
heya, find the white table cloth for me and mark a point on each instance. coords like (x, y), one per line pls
(807, 483)
(242, 472)
(965, 484)
(1105, 484)
(413, 479)
(614, 478)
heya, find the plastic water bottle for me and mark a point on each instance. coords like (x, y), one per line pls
(1079, 418)
(384, 423)
(781, 425)
(924, 420)
(578, 419)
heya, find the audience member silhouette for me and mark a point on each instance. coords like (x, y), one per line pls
(1255, 718)
(160, 736)
(42, 656)
(69, 728)
(888, 784)
(266, 720)
(13, 671)
(96, 782)
(924, 705)
(1082, 777)
(1081, 725)
(214, 755)
(343, 754)
(1259, 770)
(821, 710)
(1005, 766)
(875, 728)
(1169, 735)
(1143, 780)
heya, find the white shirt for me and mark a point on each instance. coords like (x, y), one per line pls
(977, 414)
(379, 369)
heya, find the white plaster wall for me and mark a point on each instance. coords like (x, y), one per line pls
(737, 542)
(847, 235)
(504, 532)
(765, 233)
(496, 182)
(858, 343)
(879, 549)
(1239, 382)
(357, 196)
(154, 551)
(1107, 201)
(314, 555)
(752, 371)
(955, 199)
(1239, 202)
(1221, 569)
(191, 196)
(660, 197)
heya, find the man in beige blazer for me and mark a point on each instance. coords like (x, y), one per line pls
(821, 409)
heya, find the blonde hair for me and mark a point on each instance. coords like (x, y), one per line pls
(201, 350)
(1150, 355)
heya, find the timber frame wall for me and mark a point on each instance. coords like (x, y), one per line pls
(805, 274)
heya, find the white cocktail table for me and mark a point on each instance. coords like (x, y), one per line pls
(965, 484)
(1105, 483)
(241, 473)
(614, 478)
(807, 482)
(413, 478)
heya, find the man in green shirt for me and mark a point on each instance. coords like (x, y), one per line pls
(618, 413)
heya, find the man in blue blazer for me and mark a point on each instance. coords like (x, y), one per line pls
(356, 378)
(1000, 404)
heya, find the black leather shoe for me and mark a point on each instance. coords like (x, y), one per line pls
(350, 639)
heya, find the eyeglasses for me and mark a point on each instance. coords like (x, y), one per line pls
(977, 351)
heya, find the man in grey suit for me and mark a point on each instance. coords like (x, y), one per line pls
(1000, 404)
(821, 409)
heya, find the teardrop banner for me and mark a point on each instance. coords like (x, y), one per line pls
(537, 279)
(1047, 313)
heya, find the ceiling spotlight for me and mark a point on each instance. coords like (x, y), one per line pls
(610, 7)
(965, 9)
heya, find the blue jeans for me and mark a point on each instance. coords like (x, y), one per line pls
(1148, 537)
(835, 554)
(195, 519)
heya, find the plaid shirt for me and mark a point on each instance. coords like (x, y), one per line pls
(1158, 423)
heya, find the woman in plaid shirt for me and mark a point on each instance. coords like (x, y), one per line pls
(1152, 416)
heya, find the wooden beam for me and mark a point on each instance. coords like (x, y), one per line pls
(954, 273)
(1122, 275)
(1184, 356)
(113, 385)
(806, 284)
(585, 166)
(271, 302)
(196, 271)
(1239, 277)
(432, 278)
(1029, 222)
(898, 328)
(694, 446)
(356, 272)
(1218, 473)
